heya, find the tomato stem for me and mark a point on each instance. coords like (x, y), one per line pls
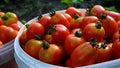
(98, 25)
(39, 16)
(37, 37)
(5, 17)
(93, 42)
(103, 16)
(45, 44)
(78, 33)
(53, 28)
(76, 16)
(52, 13)
(103, 45)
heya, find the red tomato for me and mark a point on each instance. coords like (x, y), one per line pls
(86, 20)
(116, 35)
(1, 43)
(116, 48)
(48, 38)
(103, 52)
(15, 26)
(50, 53)
(72, 41)
(69, 18)
(9, 18)
(7, 33)
(1, 23)
(59, 33)
(72, 10)
(84, 54)
(94, 30)
(110, 26)
(74, 30)
(35, 29)
(59, 18)
(118, 22)
(45, 21)
(113, 14)
(97, 10)
(32, 47)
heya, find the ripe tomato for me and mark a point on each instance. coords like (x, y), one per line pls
(116, 48)
(84, 54)
(86, 20)
(113, 14)
(48, 38)
(35, 29)
(1, 43)
(118, 22)
(32, 47)
(69, 18)
(9, 18)
(97, 10)
(45, 21)
(50, 53)
(59, 33)
(74, 30)
(7, 33)
(110, 25)
(72, 10)
(15, 26)
(94, 30)
(1, 23)
(1, 13)
(59, 18)
(116, 35)
(72, 41)
(103, 52)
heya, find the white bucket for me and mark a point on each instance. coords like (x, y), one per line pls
(25, 61)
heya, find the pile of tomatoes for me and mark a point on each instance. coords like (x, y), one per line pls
(72, 39)
(9, 27)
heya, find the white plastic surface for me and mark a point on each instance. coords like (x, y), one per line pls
(25, 61)
(7, 51)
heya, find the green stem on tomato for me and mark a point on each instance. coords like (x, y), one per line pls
(78, 33)
(45, 44)
(98, 25)
(53, 28)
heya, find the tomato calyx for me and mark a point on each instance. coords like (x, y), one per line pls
(45, 44)
(98, 25)
(103, 16)
(38, 37)
(76, 16)
(78, 33)
(52, 28)
(93, 42)
(52, 13)
(39, 16)
(5, 17)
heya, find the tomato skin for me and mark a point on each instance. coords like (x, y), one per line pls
(69, 18)
(84, 54)
(118, 22)
(60, 33)
(1, 23)
(108, 24)
(113, 14)
(91, 31)
(116, 35)
(59, 18)
(1, 43)
(48, 38)
(9, 18)
(15, 26)
(51, 55)
(97, 10)
(88, 19)
(116, 48)
(45, 21)
(32, 47)
(34, 29)
(72, 10)
(74, 30)
(1, 13)
(7, 33)
(104, 54)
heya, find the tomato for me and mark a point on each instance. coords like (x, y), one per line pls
(48, 38)
(59, 18)
(23, 38)
(104, 52)
(113, 14)
(1, 43)
(116, 35)
(86, 20)
(94, 30)
(32, 47)
(72, 41)
(74, 30)
(72, 10)
(45, 21)
(1, 13)
(110, 25)
(9, 18)
(118, 22)
(1, 23)
(84, 54)
(15, 26)
(50, 53)
(116, 48)
(97, 10)
(69, 18)
(59, 32)
(35, 29)
(7, 33)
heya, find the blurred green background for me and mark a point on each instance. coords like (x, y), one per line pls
(28, 9)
